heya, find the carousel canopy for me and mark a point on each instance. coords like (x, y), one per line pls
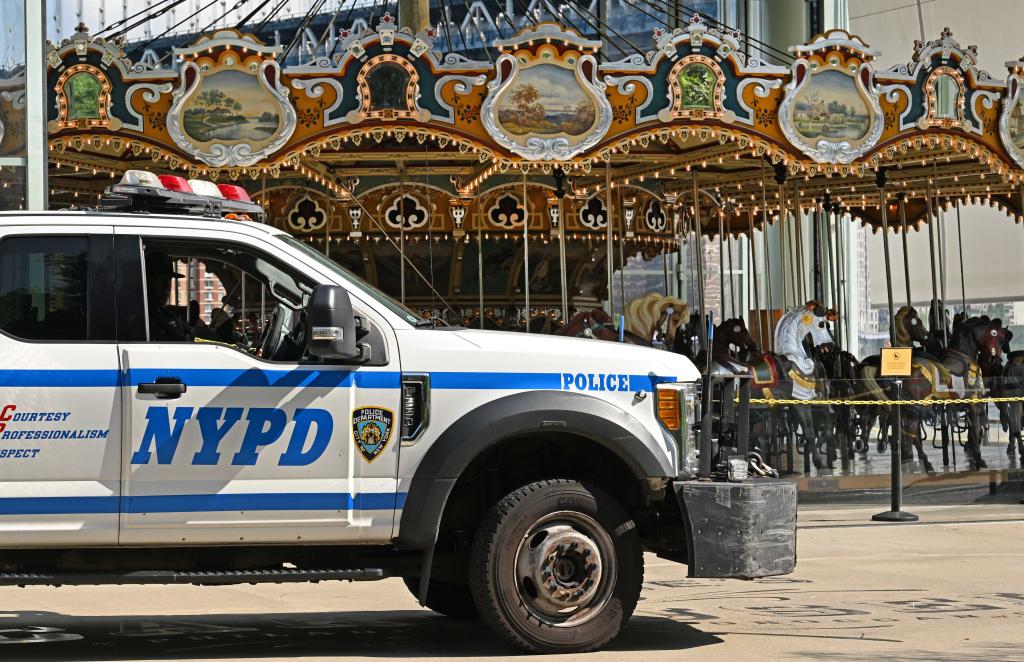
(390, 135)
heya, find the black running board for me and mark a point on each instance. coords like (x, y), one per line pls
(173, 577)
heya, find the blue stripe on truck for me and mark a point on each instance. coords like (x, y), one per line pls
(257, 378)
(200, 503)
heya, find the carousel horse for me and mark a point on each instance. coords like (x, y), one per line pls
(655, 317)
(544, 324)
(597, 324)
(955, 373)
(1007, 381)
(840, 368)
(1011, 385)
(733, 339)
(799, 361)
(909, 331)
(686, 341)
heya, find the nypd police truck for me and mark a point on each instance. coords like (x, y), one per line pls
(190, 397)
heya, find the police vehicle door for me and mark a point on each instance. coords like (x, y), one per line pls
(231, 436)
(60, 413)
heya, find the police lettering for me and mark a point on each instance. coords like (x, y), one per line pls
(594, 381)
(263, 426)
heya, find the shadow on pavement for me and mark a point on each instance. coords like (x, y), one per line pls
(28, 635)
(981, 653)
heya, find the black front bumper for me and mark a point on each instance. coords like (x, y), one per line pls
(744, 530)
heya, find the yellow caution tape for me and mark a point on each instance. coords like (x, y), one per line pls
(775, 402)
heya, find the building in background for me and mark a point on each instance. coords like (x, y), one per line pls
(992, 244)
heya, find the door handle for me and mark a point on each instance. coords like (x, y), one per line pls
(164, 388)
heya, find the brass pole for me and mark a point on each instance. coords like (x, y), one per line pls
(699, 241)
(526, 256)
(609, 253)
(401, 229)
(798, 213)
(561, 261)
(880, 179)
(480, 258)
(902, 198)
(769, 295)
(757, 285)
(931, 258)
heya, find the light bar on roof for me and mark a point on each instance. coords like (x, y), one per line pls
(144, 191)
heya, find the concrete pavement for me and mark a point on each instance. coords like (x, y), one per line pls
(948, 588)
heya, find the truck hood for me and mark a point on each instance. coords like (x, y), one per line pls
(551, 353)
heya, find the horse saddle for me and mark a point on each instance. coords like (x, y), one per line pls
(950, 374)
(766, 372)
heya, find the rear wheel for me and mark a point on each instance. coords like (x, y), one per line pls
(556, 567)
(447, 598)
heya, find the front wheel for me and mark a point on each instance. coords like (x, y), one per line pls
(556, 567)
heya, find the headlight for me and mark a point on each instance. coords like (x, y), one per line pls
(677, 408)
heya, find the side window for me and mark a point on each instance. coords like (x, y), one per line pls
(44, 286)
(224, 293)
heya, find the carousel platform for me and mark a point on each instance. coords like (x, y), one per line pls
(867, 480)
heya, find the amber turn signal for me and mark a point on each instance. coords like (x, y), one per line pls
(668, 408)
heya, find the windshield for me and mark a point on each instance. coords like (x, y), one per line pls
(392, 305)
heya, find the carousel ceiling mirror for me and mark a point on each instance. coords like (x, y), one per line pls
(946, 91)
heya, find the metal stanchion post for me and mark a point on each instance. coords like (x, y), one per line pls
(896, 514)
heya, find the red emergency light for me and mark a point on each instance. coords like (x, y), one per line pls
(175, 183)
(233, 192)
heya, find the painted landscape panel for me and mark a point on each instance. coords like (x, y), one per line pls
(231, 107)
(546, 100)
(830, 107)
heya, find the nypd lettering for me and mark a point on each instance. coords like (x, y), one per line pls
(594, 381)
(311, 431)
(371, 430)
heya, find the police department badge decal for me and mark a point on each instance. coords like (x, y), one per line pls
(371, 430)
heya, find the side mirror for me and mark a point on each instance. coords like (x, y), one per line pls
(332, 326)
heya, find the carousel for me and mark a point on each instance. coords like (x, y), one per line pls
(510, 193)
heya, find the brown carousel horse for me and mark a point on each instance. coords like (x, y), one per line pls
(599, 325)
(953, 374)
(910, 331)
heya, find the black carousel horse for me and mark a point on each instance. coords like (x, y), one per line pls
(1007, 381)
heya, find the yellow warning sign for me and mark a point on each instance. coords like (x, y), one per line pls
(896, 361)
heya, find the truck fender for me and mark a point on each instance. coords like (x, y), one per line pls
(516, 415)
